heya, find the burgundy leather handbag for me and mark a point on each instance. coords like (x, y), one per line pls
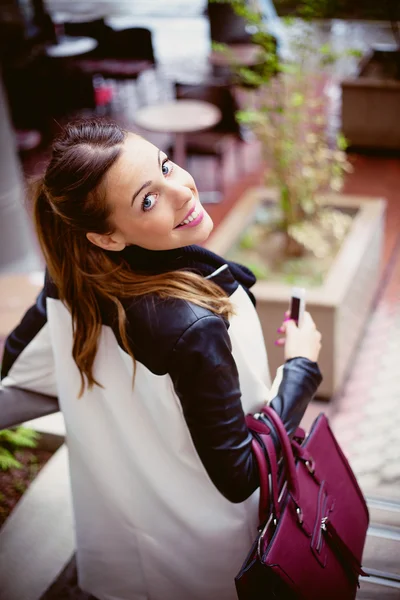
(313, 517)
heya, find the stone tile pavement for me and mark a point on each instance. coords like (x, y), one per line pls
(367, 419)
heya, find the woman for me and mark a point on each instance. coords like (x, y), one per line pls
(154, 349)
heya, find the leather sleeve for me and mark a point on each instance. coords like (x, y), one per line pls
(206, 380)
(300, 380)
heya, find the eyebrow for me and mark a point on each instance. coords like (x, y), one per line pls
(147, 183)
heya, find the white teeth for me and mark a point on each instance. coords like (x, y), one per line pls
(191, 217)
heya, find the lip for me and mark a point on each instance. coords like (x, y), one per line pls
(188, 215)
(196, 221)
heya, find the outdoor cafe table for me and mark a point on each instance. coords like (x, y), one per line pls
(178, 117)
(71, 46)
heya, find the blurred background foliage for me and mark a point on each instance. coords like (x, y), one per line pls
(345, 9)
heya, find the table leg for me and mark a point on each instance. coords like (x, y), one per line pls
(180, 150)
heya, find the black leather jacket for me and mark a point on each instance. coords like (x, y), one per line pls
(193, 346)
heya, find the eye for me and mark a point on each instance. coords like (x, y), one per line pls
(166, 167)
(149, 202)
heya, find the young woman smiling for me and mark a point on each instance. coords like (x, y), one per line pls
(153, 346)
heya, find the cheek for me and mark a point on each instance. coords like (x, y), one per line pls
(159, 221)
(156, 225)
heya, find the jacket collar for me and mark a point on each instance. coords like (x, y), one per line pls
(194, 258)
(223, 277)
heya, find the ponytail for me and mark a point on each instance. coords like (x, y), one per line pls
(68, 203)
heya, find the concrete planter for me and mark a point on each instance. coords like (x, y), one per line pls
(341, 305)
(370, 106)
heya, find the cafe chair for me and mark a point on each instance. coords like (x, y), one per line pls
(96, 29)
(120, 54)
(226, 27)
(221, 138)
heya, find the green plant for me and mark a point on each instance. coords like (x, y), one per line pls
(288, 114)
(12, 440)
(342, 9)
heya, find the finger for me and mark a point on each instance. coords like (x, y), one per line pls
(282, 328)
(308, 321)
(280, 342)
(290, 326)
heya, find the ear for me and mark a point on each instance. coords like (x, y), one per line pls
(108, 241)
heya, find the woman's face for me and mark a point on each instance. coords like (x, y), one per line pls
(155, 204)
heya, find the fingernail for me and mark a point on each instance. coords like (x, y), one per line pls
(280, 330)
(286, 319)
(277, 343)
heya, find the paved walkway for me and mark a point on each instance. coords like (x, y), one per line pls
(368, 417)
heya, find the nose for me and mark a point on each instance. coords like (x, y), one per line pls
(180, 194)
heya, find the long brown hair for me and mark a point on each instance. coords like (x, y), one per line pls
(69, 202)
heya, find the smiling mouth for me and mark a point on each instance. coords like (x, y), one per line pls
(192, 216)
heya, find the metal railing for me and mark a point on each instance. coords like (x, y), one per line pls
(18, 406)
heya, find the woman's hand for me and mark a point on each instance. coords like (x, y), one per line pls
(300, 341)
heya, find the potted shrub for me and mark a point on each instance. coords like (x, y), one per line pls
(298, 229)
(371, 99)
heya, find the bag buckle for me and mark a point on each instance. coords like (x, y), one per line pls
(299, 513)
(310, 464)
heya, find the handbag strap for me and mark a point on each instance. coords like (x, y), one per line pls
(258, 451)
(273, 466)
(268, 468)
(287, 453)
(263, 473)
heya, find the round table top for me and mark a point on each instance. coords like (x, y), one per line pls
(71, 46)
(245, 55)
(178, 116)
(69, 17)
(122, 22)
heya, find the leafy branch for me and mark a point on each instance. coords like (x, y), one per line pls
(289, 117)
(12, 440)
